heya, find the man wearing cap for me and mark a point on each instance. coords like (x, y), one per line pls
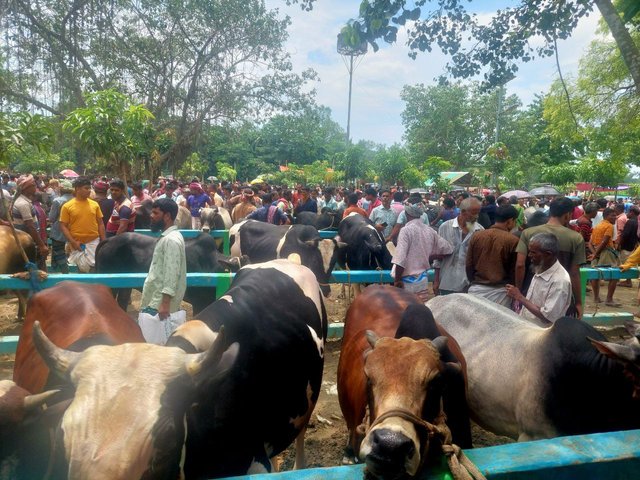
(418, 244)
(24, 214)
(306, 203)
(123, 216)
(58, 240)
(245, 207)
(100, 188)
(197, 200)
(81, 224)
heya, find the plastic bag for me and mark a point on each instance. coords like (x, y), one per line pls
(158, 331)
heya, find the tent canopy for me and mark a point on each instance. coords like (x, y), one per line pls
(454, 178)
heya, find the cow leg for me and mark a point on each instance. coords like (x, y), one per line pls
(301, 461)
(22, 304)
(123, 296)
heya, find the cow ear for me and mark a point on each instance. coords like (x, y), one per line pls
(621, 353)
(440, 343)
(311, 243)
(340, 245)
(633, 328)
(372, 338)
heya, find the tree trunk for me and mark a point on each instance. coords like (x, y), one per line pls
(628, 49)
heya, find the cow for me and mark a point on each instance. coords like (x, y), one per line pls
(262, 242)
(74, 315)
(366, 248)
(246, 398)
(414, 362)
(126, 418)
(529, 382)
(215, 218)
(21, 414)
(183, 219)
(132, 253)
(11, 259)
(327, 219)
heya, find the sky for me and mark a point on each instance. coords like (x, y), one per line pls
(379, 77)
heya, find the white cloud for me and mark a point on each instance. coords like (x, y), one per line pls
(379, 77)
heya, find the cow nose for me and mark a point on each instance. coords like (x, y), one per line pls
(205, 229)
(390, 449)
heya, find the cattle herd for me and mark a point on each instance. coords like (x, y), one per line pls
(237, 386)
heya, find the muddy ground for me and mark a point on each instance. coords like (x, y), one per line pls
(327, 433)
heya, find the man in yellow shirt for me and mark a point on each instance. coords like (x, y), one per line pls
(81, 224)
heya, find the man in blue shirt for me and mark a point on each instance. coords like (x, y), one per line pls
(269, 213)
(306, 203)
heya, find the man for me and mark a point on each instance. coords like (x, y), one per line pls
(549, 295)
(196, 201)
(269, 213)
(518, 204)
(245, 207)
(352, 206)
(373, 201)
(602, 204)
(328, 201)
(123, 216)
(58, 240)
(401, 219)
(215, 197)
(170, 191)
(491, 258)
(306, 203)
(628, 239)
(100, 188)
(583, 224)
(621, 220)
(81, 224)
(383, 216)
(604, 255)
(24, 215)
(489, 207)
(139, 195)
(398, 204)
(166, 283)
(417, 245)
(450, 273)
(571, 248)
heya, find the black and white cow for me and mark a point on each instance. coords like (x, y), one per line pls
(529, 382)
(245, 398)
(366, 248)
(261, 242)
(215, 218)
(327, 219)
(132, 253)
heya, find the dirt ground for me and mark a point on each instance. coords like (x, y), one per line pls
(327, 433)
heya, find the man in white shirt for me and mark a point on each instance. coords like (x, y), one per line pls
(549, 294)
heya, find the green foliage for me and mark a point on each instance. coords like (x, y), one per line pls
(112, 128)
(193, 166)
(22, 133)
(604, 173)
(226, 172)
(560, 175)
(32, 160)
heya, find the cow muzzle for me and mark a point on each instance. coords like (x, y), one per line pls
(391, 454)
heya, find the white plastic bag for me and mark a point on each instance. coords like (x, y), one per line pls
(158, 331)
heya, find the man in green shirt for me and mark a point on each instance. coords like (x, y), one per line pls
(167, 280)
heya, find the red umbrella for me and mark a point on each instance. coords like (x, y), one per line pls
(67, 172)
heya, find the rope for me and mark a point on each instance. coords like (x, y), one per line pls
(29, 266)
(461, 467)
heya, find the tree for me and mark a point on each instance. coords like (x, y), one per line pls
(113, 129)
(193, 166)
(513, 34)
(192, 63)
(24, 134)
(600, 172)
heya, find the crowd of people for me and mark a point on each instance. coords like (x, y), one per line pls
(521, 253)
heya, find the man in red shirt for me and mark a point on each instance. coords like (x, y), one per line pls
(123, 215)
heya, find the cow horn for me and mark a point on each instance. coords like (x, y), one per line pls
(31, 402)
(372, 338)
(440, 343)
(622, 353)
(340, 245)
(58, 359)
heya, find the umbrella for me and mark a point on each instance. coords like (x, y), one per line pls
(517, 193)
(544, 192)
(212, 179)
(67, 172)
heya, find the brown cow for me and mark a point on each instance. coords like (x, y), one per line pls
(407, 372)
(74, 316)
(11, 260)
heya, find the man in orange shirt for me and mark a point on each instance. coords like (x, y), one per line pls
(352, 206)
(604, 254)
